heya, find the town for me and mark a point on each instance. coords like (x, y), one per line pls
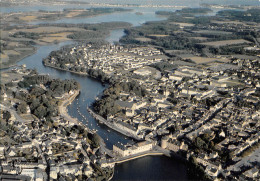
(187, 87)
(209, 112)
(37, 146)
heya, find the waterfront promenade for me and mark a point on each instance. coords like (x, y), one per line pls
(64, 113)
(63, 106)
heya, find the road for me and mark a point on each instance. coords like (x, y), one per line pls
(112, 125)
(63, 109)
(13, 112)
(20, 119)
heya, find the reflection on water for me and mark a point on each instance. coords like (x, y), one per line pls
(189, 3)
(147, 168)
(130, 17)
(151, 168)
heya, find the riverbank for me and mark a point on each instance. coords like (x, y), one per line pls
(113, 125)
(13, 63)
(63, 109)
(74, 72)
(68, 13)
(89, 90)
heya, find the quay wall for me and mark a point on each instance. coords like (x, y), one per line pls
(112, 125)
(139, 156)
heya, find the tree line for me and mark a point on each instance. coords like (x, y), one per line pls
(42, 94)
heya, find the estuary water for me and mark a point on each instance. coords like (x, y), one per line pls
(147, 168)
(187, 3)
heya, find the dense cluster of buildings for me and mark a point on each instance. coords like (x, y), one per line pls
(38, 149)
(219, 101)
(109, 58)
(124, 150)
(209, 112)
(46, 147)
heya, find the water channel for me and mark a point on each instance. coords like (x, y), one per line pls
(147, 168)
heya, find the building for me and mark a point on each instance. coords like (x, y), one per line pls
(135, 149)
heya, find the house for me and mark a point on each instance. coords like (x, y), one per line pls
(212, 171)
(2, 149)
(175, 77)
(10, 152)
(129, 112)
(126, 127)
(171, 144)
(126, 105)
(135, 149)
(252, 173)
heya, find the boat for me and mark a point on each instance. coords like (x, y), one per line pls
(139, 13)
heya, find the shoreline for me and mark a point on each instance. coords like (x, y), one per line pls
(103, 121)
(79, 73)
(64, 113)
(114, 127)
(19, 59)
(113, 173)
(57, 18)
(58, 3)
(35, 49)
(111, 125)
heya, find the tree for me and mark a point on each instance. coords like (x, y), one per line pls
(40, 112)
(95, 140)
(21, 109)
(200, 143)
(6, 115)
(35, 103)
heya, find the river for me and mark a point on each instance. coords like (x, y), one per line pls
(148, 168)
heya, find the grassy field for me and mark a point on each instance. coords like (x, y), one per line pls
(199, 38)
(205, 60)
(16, 49)
(13, 56)
(225, 43)
(56, 37)
(183, 24)
(227, 22)
(9, 76)
(28, 18)
(157, 35)
(46, 29)
(4, 57)
(213, 32)
(11, 52)
(74, 13)
(143, 39)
